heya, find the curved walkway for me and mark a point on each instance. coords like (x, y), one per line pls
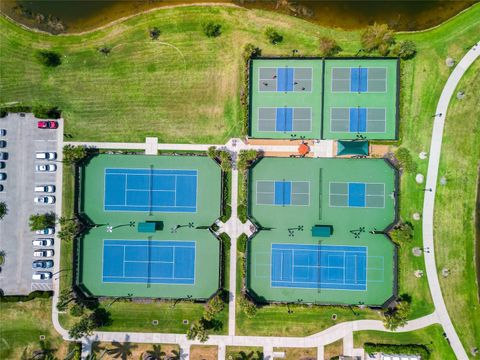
(342, 330)
(429, 199)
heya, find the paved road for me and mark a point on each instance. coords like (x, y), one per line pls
(429, 199)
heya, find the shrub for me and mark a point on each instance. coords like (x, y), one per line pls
(214, 227)
(48, 58)
(247, 306)
(41, 221)
(246, 157)
(328, 46)
(405, 49)
(211, 29)
(105, 50)
(154, 33)
(242, 243)
(214, 306)
(405, 160)
(226, 241)
(76, 310)
(251, 51)
(377, 35)
(3, 210)
(31, 296)
(402, 233)
(273, 36)
(46, 112)
(242, 213)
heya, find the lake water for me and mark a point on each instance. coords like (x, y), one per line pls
(80, 15)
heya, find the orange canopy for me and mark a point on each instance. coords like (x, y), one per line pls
(303, 149)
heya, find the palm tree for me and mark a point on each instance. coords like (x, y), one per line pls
(155, 354)
(242, 355)
(121, 350)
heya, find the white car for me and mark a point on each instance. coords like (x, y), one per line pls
(42, 275)
(46, 231)
(43, 253)
(42, 242)
(45, 167)
(44, 199)
(45, 188)
(46, 155)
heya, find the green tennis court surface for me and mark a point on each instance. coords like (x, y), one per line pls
(355, 197)
(173, 258)
(329, 99)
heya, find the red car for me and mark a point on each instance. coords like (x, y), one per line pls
(49, 124)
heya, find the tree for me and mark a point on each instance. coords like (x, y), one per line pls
(105, 50)
(211, 29)
(273, 36)
(175, 355)
(76, 310)
(154, 33)
(197, 331)
(402, 233)
(214, 306)
(69, 228)
(83, 327)
(377, 35)
(64, 299)
(100, 317)
(74, 154)
(396, 317)
(41, 221)
(48, 58)
(155, 354)
(247, 306)
(212, 152)
(405, 160)
(121, 350)
(328, 46)
(3, 210)
(246, 157)
(405, 49)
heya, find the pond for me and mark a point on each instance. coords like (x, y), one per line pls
(80, 15)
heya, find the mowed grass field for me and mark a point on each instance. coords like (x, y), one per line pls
(21, 327)
(455, 209)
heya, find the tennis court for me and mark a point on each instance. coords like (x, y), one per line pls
(357, 119)
(283, 193)
(155, 190)
(359, 79)
(149, 261)
(355, 194)
(285, 79)
(285, 119)
(319, 266)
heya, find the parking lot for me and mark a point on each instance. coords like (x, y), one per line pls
(23, 139)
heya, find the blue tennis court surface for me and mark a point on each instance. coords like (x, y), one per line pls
(358, 119)
(283, 191)
(150, 190)
(143, 261)
(319, 266)
(284, 119)
(358, 79)
(285, 79)
(356, 195)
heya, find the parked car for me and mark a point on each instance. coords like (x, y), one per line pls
(44, 199)
(42, 242)
(42, 275)
(45, 188)
(48, 124)
(45, 167)
(3, 176)
(1, 187)
(46, 155)
(43, 253)
(3, 132)
(3, 155)
(2, 164)
(42, 264)
(3, 143)
(46, 231)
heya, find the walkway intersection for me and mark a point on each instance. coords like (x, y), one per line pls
(234, 228)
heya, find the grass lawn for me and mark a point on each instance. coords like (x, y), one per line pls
(21, 327)
(239, 352)
(66, 248)
(455, 210)
(430, 336)
(333, 349)
(199, 352)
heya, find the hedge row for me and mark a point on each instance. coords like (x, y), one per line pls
(408, 349)
(23, 298)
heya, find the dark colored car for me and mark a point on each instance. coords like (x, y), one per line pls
(42, 264)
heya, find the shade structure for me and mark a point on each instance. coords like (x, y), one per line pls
(346, 147)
